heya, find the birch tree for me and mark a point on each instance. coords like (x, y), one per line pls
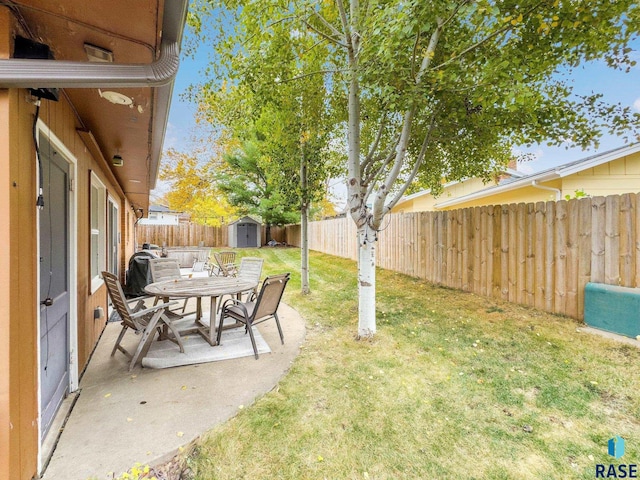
(444, 89)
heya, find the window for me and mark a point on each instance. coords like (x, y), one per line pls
(113, 236)
(98, 231)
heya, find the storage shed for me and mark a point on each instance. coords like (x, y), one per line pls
(245, 232)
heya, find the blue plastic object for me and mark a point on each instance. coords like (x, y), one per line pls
(612, 308)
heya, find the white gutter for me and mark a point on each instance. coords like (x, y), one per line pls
(557, 191)
(507, 187)
(29, 73)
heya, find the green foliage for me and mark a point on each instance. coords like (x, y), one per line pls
(249, 186)
(489, 80)
(579, 193)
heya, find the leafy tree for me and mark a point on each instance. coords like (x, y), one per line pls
(193, 190)
(441, 89)
(250, 186)
(284, 127)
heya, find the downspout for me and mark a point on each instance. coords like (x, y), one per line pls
(558, 192)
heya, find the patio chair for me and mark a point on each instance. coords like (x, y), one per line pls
(250, 269)
(224, 264)
(143, 321)
(165, 269)
(263, 308)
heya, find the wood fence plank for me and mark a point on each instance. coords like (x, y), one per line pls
(466, 232)
(476, 265)
(483, 284)
(549, 256)
(539, 246)
(521, 253)
(512, 271)
(560, 260)
(504, 248)
(584, 250)
(612, 241)
(627, 239)
(572, 222)
(530, 270)
(598, 216)
(496, 273)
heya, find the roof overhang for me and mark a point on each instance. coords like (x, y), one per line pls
(144, 39)
(546, 175)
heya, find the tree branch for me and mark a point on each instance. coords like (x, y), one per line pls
(310, 74)
(324, 21)
(323, 35)
(500, 31)
(345, 25)
(374, 146)
(416, 166)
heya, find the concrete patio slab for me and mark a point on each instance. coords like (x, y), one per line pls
(121, 418)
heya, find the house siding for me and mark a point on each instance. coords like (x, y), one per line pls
(19, 410)
(617, 177)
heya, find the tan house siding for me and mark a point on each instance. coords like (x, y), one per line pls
(23, 312)
(19, 442)
(5, 281)
(521, 195)
(616, 177)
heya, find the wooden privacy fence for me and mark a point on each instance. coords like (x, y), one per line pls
(539, 254)
(183, 235)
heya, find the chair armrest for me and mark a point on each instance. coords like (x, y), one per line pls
(237, 302)
(146, 311)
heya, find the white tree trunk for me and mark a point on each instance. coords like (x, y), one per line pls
(304, 251)
(366, 284)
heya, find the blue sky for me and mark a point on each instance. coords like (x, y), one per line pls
(595, 77)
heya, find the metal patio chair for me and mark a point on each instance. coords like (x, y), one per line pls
(263, 308)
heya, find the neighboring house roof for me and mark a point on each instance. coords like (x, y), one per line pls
(545, 175)
(510, 173)
(162, 209)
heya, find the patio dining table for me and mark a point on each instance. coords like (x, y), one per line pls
(213, 287)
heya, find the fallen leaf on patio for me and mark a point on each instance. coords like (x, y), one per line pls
(180, 434)
(184, 387)
(129, 419)
(107, 395)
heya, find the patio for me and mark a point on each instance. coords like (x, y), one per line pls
(120, 417)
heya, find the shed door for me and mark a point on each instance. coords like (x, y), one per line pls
(247, 236)
(54, 284)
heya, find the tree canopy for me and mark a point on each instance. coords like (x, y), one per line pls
(433, 90)
(193, 190)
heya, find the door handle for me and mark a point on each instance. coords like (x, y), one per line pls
(47, 302)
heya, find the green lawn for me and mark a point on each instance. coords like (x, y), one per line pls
(453, 386)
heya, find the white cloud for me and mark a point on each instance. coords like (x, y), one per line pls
(636, 104)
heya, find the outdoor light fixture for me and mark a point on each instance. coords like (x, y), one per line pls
(98, 54)
(117, 161)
